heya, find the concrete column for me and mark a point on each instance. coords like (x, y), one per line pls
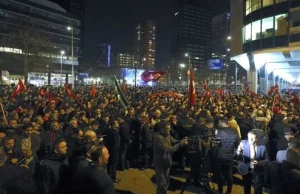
(49, 78)
(252, 79)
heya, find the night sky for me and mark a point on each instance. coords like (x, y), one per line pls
(113, 21)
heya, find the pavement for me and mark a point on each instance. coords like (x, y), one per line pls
(143, 182)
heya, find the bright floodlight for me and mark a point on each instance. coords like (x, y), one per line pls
(69, 28)
(229, 37)
(144, 59)
(228, 49)
(182, 65)
(62, 52)
(186, 54)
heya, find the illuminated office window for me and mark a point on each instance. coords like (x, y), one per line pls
(267, 3)
(256, 30)
(267, 27)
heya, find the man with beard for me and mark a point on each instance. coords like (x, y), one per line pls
(52, 174)
(163, 148)
(94, 179)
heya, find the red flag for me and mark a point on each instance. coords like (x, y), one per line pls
(219, 92)
(205, 86)
(71, 94)
(192, 90)
(93, 91)
(247, 91)
(123, 87)
(19, 88)
(43, 92)
(53, 100)
(154, 76)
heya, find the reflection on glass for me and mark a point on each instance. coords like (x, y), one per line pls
(281, 24)
(267, 27)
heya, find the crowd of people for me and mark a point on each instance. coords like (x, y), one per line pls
(52, 143)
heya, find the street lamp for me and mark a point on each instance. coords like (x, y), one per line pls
(72, 40)
(229, 38)
(187, 55)
(144, 59)
(61, 61)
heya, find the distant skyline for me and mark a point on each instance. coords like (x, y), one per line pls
(112, 22)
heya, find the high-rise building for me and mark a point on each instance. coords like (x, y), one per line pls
(39, 20)
(265, 39)
(104, 56)
(145, 39)
(220, 35)
(192, 33)
(75, 7)
(125, 60)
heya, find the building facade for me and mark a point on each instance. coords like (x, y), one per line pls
(75, 7)
(38, 20)
(269, 32)
(220, 35)
(192, 32)
(125, 60)
(104, 55)
(145, 42)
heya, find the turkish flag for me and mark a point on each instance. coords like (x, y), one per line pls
(19, 88)
(71, 94)
(44, 92)
(192, 90)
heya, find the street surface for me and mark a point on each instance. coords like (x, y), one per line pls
(142, 182)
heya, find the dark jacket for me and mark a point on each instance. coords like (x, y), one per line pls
(163, 148)
(290, 174)
(145, 137)
(229, 142)
(53, 175)
(15, 179)
(245, 124)
(93, 180)
(125, 134)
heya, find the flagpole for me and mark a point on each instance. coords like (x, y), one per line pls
(3, 112)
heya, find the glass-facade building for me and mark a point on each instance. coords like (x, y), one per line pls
(46, 18)
(270, 39)
(145, 42)
(270, 23)
(192, 33)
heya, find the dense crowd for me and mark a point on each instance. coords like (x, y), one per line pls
(52, 143)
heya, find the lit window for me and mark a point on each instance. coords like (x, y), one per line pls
(247, 33)
(267, 27)
(267, 3)
(281, 24)
(256, 30)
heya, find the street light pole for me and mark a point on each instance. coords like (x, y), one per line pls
(61, 61)
(72, 43)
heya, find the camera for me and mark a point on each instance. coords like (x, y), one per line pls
(195, 145)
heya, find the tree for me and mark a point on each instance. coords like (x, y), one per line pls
(32, 42)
